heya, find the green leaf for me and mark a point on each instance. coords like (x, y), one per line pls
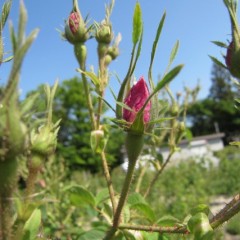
(8, 59)
(201, 208)
(102, 196)
(215, 60)
(188, 134)
(96, 234)
(168, 78)
(28, 103)
(168, 221)
(220, 44)
(160, 120)
(137, 24)
(154, 47)
(173, 54)
(95, 80)
(18, 59)
(5, 13)
(150, 236)
(124, 106)
(135, 198)
(80, 196)
(128, 235)
(200, 227)
(144, 210)
(31, 227)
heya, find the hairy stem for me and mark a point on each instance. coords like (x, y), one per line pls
(231, 209)
(177, 229)
(122, 200)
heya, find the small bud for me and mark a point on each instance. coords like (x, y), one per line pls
(44, 140)
(98, 141)
(104, 33)
(113, 52)
(174, 109)
(75, 28)
(135, 99)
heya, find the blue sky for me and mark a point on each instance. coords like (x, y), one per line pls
(194, 23)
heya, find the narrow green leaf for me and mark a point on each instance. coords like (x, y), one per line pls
(21, 24)
(95, 80)
(124, 106)
(28, 103)
(160, 120)
(113, 94)
(13, 37)
(106, 102)
(173, 53)
(168, 78)
(137, 55)
(215, 60)
(154, 47)
(8, 59)
(18, 58)
(31, 227)
(220, 44)
(137, 24)
(5, 13)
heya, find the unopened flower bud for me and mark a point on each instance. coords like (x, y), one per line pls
(174, 110)
(113, 52)
(44, 140)
(135, 100)
(104, 33)
(75, 28)
(98, 141)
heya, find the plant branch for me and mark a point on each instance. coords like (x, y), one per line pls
(158, 173)
(109, 181)
(122, 200)
(175, 229)
(231, 209)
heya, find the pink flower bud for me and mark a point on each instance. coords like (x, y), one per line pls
(135, 99)
(73, 22)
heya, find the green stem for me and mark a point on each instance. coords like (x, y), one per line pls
(109, 181)
(6, 217)
(134, 144)
(122, 200)
(140, 178)
(158, 174)
(80, 51)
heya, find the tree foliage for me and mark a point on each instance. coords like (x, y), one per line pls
(218, 111)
